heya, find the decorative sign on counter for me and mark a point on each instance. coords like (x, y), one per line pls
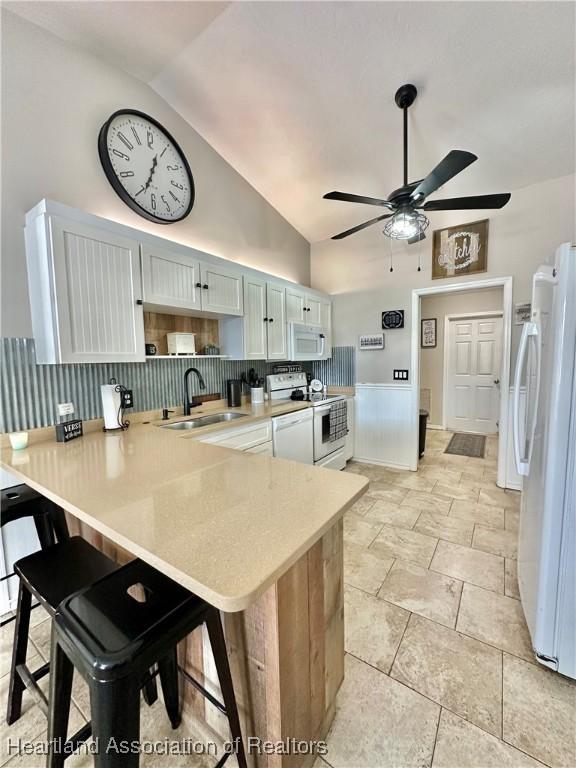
(68, 430)
(428, 333)
(393, 319)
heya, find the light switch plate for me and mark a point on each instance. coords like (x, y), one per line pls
(400, 374)
(65, 409)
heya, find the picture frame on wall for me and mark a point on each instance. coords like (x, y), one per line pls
(428, 333)
(461, 250)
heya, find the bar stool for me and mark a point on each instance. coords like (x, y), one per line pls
(22, 501)
(113, 636)
(49, 575)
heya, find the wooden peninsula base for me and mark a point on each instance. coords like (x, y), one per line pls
(286, 653)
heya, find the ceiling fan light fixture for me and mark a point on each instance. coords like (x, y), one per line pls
(405, 224)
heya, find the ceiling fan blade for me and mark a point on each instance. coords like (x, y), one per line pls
(467, 203)
(416, 238)
(454, 162)
(361, 226)
(347, 198)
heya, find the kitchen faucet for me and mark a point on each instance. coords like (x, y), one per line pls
(187, 404)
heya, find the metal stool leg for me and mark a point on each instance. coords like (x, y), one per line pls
(19, 650)
(61, 672)
(44, 530)
(168, 667)
(218, 643)
(115, 708)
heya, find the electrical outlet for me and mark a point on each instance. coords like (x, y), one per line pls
(400, 374)
(126, 397)
(65, 409)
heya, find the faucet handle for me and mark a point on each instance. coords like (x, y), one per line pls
(165, 413)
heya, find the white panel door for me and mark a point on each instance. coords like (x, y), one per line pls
(221, 290)
(295, 304)
(98, 294)
(472, 386)
(170, 279)
(255, 319)
(276, 313)
(313, 310)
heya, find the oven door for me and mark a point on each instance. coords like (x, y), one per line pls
(323, 446)
(307, 343)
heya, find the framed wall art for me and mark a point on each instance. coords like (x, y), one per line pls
(428, 333)
(461, 250)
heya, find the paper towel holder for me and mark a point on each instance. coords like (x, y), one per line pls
(115, 399)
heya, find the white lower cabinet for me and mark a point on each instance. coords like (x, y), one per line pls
(85, 293)
(265, 449)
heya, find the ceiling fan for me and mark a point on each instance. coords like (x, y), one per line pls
(406, 222)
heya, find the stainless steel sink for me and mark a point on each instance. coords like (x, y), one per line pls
(203, 421)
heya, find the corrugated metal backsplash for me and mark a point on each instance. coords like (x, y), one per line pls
(30, 392)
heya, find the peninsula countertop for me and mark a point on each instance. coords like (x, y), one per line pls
(223, 523)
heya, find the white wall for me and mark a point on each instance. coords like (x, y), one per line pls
(432, 358)
(55, 97)
(522, 235)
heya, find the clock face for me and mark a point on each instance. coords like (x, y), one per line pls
(146, 167)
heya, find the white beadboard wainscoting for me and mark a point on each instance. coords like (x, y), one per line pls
(384, 424)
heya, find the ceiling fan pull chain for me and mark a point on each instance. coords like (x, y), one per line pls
(419, 268)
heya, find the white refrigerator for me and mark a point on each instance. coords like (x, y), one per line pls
(545, 452)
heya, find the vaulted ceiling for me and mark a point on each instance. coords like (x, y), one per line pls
(299, 96)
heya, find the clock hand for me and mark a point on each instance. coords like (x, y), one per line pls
(154, 164)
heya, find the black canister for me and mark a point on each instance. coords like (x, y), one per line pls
(234, 392)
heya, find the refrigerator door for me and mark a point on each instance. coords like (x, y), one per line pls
(551, 368)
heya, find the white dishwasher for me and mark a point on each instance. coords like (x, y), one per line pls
(292, 436)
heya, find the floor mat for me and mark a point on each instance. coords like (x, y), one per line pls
(467, 445)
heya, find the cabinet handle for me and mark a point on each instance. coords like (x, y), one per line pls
(198, 285)
(265, 319)
(271, 320)
(139, 302)
(205, 286)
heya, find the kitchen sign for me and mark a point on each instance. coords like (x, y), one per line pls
(461, 250)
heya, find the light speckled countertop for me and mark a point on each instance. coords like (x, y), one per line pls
(223, 523)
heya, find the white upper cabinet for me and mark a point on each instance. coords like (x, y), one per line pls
(295, 304)
(313, 310)
(171, 279)
(85, 292)
(306, 308)
(255, 321)
(276, 313)
(221, 290)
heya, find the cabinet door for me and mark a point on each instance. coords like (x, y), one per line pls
(326, 314)
(255, 319)
(98, 294)
(313, 310)
(221, 290)
(170, 279)
(295, 304)
(276, 311)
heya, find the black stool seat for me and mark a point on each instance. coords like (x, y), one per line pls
(55, 573)
(113, 633)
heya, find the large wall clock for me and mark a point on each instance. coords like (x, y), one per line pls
(146, 167)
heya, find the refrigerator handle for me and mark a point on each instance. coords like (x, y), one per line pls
(522, 461)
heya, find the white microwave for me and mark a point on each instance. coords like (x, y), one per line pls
(307, 343)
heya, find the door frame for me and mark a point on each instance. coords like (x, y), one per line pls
(446, 362)
(506, 284)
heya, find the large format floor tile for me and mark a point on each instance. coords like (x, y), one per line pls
(503, 543)
(445, 527)
(511, 578)
(498, 497)
(427, 502)
(387, 492)
(482, 514)
(380, 723)
(365, 569)
(358, 530)
(495, 619)
(373, 628)
(466, 564)
(415, 482)
(460, 492)
(392, 514)
(423, 592)
(461, 744)
(363, 504)
(539, 712)
(458, 672)
(407, 545)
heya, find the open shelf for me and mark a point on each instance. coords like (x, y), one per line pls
(186, 357)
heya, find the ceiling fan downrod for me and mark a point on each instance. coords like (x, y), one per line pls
(405, 96)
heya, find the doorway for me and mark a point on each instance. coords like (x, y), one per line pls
(472, 362)
(498, 348)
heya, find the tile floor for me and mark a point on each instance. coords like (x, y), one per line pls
(439, 669)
